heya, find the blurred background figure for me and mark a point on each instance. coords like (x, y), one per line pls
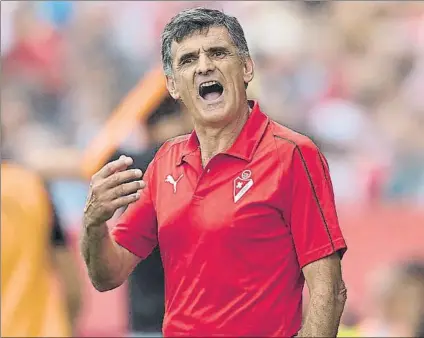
(34, 257)
(350, 75)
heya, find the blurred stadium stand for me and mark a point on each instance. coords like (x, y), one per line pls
(348, 74)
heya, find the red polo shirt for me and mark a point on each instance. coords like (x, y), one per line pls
(235, 235)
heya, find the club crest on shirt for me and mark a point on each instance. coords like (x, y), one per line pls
(242, 184)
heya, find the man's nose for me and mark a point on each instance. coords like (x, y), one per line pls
(205, 65)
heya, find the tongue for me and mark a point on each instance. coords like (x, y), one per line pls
(212, 96)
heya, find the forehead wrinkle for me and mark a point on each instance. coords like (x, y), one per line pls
(215, 35)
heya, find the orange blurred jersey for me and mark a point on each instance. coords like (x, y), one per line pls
(30, 303)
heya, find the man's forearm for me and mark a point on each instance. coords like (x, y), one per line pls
(323, 314)
(100, 256)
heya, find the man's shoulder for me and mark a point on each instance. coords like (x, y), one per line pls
(289, 139)
(172, 147)
(177, 140)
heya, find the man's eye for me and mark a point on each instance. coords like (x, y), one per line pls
(218, 54)
(187, 61)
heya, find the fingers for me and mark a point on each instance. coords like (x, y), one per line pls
(120, 164)
(125, 200)
(122, 177)
(125, 189)
(114, 186)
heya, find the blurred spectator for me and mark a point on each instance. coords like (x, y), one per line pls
(58, 13)
(34, 250)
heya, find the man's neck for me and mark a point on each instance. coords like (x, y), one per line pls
(215, 140)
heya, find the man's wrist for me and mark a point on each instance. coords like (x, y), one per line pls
(96, 229)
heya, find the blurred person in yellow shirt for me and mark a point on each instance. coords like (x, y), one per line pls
(33, 252)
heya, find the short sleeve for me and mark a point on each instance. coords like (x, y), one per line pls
(311, 207)
(136, 229)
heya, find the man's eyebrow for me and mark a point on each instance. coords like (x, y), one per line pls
(218, 49)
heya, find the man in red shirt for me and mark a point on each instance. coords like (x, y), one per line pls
(242, 209)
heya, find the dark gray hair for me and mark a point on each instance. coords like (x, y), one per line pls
(195, 20)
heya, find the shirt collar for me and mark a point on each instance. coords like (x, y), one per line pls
(246, 143)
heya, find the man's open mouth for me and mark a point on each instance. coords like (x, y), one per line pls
(210, 90)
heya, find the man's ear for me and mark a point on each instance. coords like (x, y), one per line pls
(172, 89)
(248, 70)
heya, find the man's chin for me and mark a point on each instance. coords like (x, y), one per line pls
(213, 112)
(212, 104)
(215, 116)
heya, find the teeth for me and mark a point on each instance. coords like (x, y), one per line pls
(210, 83)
